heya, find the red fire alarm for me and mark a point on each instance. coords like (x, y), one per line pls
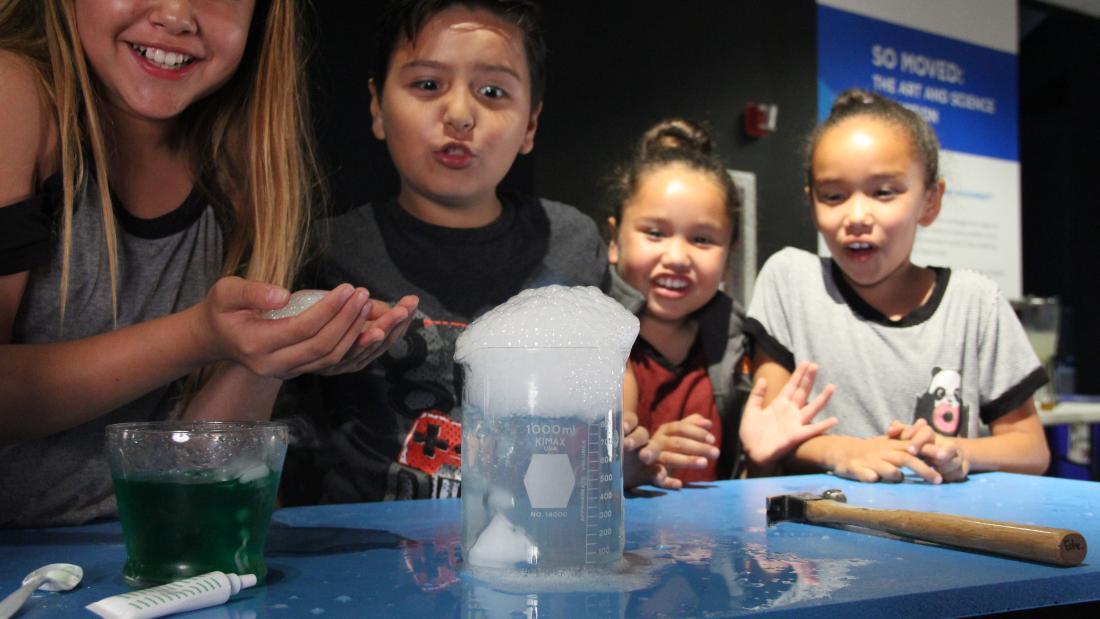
(760, 119)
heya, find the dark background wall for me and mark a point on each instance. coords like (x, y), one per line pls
(616, 67)
(616, 72)
(1060, 165)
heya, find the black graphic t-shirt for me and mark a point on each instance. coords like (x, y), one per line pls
(393, 430)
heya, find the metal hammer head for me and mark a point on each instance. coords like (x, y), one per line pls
(793, 506)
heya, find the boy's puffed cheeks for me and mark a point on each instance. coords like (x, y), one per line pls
(455, 111)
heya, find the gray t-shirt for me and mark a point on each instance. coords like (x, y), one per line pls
(165, 265)
(960, 360)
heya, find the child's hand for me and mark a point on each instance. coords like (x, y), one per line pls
(948, 457)
(917, 434)
(768, 434)
(879, 459)
(945, 454)
(635, 436)
(640, 464)
(685, 444)
(229, 326)
(639, 455)
(385, 325)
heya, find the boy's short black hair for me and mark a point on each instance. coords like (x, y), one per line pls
(402, 20)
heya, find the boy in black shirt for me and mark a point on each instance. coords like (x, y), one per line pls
(456, 95)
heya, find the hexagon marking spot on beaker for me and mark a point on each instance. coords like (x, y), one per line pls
(549, 481)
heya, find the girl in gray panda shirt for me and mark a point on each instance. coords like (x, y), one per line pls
(933, 371)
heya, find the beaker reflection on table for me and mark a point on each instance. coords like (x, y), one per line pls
(480, 600)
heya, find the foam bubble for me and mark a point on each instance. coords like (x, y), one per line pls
(548, 352)
(552, 317)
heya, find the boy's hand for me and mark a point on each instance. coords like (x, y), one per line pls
(384, 326)
(945, 454)
(685, 444)
(879, 459)
(228, 325)
(768, 434)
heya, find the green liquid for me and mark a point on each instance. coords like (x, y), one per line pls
(176, 530)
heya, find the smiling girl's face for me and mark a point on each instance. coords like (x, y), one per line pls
(673, 242)
(154, 59)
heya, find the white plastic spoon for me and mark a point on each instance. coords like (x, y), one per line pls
(52, 577)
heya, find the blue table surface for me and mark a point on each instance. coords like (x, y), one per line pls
(703, 551)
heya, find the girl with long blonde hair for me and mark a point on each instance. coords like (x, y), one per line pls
(156, 183)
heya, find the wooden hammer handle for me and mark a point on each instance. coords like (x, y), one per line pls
(1035, 543)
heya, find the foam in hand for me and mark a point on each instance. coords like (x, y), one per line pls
(299, 302)
(548, 352)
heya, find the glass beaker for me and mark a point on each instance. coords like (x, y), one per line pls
(195, 497)
(542, 484)
(1039, 316)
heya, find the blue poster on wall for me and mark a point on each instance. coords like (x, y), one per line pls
(954, 64)
(967, 92)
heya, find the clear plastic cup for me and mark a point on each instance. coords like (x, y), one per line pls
(195, 497)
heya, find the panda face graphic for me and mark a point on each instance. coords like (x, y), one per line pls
(941, 405)
(946, 397)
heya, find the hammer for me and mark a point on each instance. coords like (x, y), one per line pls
(1023, 541)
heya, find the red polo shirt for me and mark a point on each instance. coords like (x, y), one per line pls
(667, 392)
